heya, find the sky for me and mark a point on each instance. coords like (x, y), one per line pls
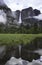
(21, 4)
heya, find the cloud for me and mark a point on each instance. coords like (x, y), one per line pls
(2, 17)
(39, 17)
(20, 4)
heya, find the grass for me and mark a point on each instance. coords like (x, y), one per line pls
(9, 39)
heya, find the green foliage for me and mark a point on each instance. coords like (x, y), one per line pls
(22, 29)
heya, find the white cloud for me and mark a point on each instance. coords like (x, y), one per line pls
(38, 17)
(20, 4)
(2, 17)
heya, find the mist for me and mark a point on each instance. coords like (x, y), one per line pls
(3, 17)
(39, 17)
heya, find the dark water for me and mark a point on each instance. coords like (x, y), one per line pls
(14, 61)
(17, 52)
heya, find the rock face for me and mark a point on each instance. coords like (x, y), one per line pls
(29, 21)
(8, 13)
(2, 4)
(27, 16)
(37, 12)
(27, 12)
(13, 19)
(17, 15)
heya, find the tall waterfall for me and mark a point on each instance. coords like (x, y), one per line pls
(20, 18)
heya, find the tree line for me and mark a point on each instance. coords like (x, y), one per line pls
(35, 29)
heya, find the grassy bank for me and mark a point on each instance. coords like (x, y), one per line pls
(9, 39)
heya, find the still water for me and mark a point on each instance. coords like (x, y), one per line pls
(20, 61)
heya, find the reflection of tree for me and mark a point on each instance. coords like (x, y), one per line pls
(2, 28)
(35, 28)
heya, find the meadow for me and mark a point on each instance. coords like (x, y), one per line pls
(14, 39)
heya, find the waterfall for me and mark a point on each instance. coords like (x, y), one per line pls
(20, 18)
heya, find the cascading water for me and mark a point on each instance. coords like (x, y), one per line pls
(20, 18)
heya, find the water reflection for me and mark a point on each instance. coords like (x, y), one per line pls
(39, 51)
(28, 57)
(14, 61)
